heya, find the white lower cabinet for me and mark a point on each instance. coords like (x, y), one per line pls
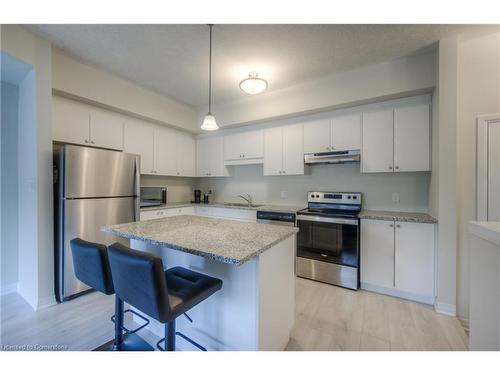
(377, 253)
(227, 213)
(167, 212)
(397, 258)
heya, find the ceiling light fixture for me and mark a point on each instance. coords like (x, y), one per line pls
(209, 122)
(253, 84)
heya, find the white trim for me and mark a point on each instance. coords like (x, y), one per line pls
(45, 302)
(445, 308)
(482, 165)
(398, 293)
(8, 289)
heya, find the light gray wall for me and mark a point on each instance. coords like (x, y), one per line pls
(36, 227)
(478, 89)
(377, 188)
(9, 243)
(389, 79)
(180, 189)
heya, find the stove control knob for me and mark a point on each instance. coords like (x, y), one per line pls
(348, 197)
(317, 195)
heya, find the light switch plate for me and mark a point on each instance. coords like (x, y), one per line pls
(395, 197)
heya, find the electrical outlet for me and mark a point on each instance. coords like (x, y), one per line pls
(284, 194)
(395, 197)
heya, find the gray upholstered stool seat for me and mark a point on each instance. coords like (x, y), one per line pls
(140, 280)
(91, 267)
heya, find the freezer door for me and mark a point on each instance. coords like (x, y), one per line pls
(90, 172)
(83, 218)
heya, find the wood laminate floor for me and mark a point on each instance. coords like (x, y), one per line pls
(327, 318)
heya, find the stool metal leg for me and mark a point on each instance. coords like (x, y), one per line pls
(118, 323)
(170, 336)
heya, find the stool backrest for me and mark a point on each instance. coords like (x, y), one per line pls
(91, 265)
(139, 280)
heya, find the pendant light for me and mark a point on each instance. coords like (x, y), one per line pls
(209, 122)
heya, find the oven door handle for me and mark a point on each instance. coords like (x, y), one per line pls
(333, 220)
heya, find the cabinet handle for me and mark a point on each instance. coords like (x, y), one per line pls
(86, 141)
(92, 142)
(391, 225)
(398, 226)
(284, 172)
(390, 167)
(328, 148)
(397, 166)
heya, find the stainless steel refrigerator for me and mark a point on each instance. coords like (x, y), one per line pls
(93, 188)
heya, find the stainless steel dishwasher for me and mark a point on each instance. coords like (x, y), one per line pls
(276, 218)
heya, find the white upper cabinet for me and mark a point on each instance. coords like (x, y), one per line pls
(273, 152)
(210, 157)
(139, 139)
(70, 121)
(346, 133)
(78, 123)
(377, 142)
(412, 138)
(337, 134)
(165, 151)
(106, 129)
(293, 152)
(317, 137)
(283, 151)
(244, 148)
(396, 140)
(186, 155)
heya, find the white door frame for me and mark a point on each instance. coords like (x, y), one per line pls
(482, 164)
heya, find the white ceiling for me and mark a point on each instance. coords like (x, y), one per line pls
(173, 59)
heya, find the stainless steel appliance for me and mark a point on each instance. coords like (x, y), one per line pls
(153, 196)
(332, 157)
(276, 218)
(328, 238)
(93, 188)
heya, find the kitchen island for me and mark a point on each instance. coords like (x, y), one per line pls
(255, 308)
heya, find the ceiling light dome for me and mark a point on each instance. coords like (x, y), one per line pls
(253, 84)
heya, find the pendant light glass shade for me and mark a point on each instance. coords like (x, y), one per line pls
(253, 84)
(209, 122)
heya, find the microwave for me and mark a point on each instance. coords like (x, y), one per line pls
(153, 196)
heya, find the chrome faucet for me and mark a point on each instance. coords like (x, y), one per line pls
(248, 199)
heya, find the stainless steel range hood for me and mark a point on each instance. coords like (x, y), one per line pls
(333, 157)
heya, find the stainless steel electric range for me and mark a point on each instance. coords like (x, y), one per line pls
(328, 239)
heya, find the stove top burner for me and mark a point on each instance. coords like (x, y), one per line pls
(329, 212)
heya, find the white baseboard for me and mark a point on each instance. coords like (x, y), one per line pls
(45, 302)
(445, 308)
(9, 288)
(398, 293)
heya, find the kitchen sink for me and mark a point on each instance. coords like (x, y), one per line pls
(242, 205)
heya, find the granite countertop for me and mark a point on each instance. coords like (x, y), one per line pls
(487, 230)
(264, 207)
(414, 217)
(227, 241)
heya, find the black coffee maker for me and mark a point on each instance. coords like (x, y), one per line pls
(197, 196)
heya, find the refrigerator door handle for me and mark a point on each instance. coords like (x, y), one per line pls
(137, 188)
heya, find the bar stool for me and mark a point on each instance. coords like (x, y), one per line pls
(91, 266)
(141, 281)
